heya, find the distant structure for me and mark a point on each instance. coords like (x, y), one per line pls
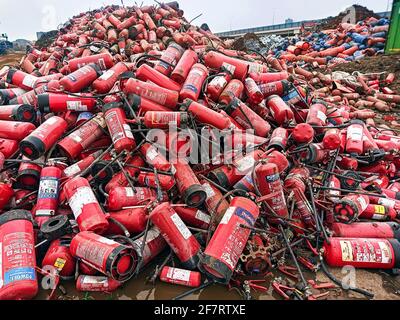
(289, 28)
(39, 35)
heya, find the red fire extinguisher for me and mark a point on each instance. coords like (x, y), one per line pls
(22, 113)
(363, 253)
(185, 64)
(8, 147)
(21, 79)
(379, 213)
(144, 105)
(234, 89)
(106, 82)
(177, 235)
(229, 240)
(154, 157)
(152, 92)
(216, 60)
(280, 111)
(206, 115)
(119, 129)
(18, 280)
(6, 95)
(28, 176)
(215, 202)
(368, 230)
(54, 102)
(134, 220)
(13, 130)
(317, 115)
(248, 119)
(170, 58)
(155, 244)
(59, 256)
(253, 91)
(279, 88)
(49, 190)
(227, 176)
(119, 180)
(181, 277)
(188, 185)
(163, 120)
(103, 60)
(85, 207)
(81, 78)
(146, 73)
(43, 138)
(218, 85)
(303, 133)
(355, 137)
(279, 139)
(82, 165)
(269, 77)
(117, 261)
(193, 85)
(148, 179)
(6, 194)
(194, 217)
(120, 197)
(81, 139)
(97, 284)
(349, 209)
(269, 183)
(332, 139)
(297, 179)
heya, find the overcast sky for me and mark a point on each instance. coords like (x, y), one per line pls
(22, 19)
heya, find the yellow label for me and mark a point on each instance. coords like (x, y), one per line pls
(380, 210)
(60, 263)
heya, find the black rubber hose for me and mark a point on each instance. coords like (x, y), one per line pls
(339, 283)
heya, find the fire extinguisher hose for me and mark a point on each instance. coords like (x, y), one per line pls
(339, 283)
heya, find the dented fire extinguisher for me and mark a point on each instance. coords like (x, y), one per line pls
(177, 235)
(85, 207)
(229, 240)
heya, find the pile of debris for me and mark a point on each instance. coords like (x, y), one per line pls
(135, 134)
(358, 12)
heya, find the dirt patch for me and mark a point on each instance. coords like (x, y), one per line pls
(376, 64)
(249, 42)
(11, 59)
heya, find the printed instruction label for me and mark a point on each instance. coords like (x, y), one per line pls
(83, 196)
(183, 229)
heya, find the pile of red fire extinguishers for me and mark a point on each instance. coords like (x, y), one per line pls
(279, 166)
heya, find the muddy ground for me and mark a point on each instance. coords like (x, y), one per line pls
(384, 287)
(376, 64)
(11, 59)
